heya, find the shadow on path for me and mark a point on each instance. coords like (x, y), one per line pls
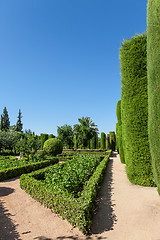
(4, 191)
(7, 227)
(104, 217)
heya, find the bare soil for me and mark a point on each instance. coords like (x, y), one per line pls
(123, 212)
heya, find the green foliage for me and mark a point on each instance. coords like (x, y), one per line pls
(112, 138)
(72, 175)
(78, 211)
(44, 137)
(53, 146)
(93, 142)
(108, 142)
(117, 137)
(14, 168)
(65, 134)
(103, 140)
(84, 131)
(153, 73)
(51, 136)
(27, 145)
(119, 132)
(8, 139)
(134, 111)
(5, 123)
(19, 124)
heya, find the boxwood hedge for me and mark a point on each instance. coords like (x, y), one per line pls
(17, 171)
(78, 211)
(153, 73)
(134, 110)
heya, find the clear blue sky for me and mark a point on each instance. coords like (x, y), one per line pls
(59, 59)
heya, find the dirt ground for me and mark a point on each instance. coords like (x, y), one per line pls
(123, 212)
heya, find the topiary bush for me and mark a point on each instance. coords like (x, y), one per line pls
(119, 132)
(53, 146)
(153, 73)
(134, 111)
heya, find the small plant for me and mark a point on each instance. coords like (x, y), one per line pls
(53, 146)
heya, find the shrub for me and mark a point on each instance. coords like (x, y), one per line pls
(78, 211)
(153, 73)
(119, 132)
(43, 138)
(53, 146)
(103, 140)
(134, 111)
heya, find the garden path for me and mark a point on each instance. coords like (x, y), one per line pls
(124, 212)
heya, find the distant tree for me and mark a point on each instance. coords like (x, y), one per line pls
(8, 139)
(65, 134)
(1, 122)
(5, 123)
(84, 131)
(19, 124)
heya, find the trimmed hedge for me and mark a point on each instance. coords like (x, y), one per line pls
(103, 140)
(153, 73)
(112, 138)
(119, 132)
(78, 211)
(134, 107)
(17, 171)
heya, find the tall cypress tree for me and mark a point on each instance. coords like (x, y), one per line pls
(19, 124)
(5, 123)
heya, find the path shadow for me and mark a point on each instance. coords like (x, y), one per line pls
(42, 238)
(7, 227)
(104, 217)
(78, 238)
(4, 191)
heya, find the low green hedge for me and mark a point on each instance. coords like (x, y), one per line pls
(17, 171)
(78, 211)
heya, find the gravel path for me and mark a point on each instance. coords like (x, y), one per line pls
(124, 212)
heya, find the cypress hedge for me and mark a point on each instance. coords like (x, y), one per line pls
(134, 110)
(112, 138)
(119, 132)
(103, 140)
(153, 74)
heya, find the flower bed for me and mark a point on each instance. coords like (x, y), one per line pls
(76, 207)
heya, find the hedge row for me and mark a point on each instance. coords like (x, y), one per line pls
(78, 211)
(17, 171)
(153, 73)
(134, 111)
(119, 132)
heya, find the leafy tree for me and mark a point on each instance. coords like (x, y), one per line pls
(5, 123)
(8, 139)
(28, 145)
(65, 134)
(19, 124)
(84, 131)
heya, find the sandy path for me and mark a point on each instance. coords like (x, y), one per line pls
(124, 212)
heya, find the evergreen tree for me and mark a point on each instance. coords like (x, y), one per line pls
(19, 124)
(1, 122)
(5, 123)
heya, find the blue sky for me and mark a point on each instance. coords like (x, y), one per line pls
(59, 59)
